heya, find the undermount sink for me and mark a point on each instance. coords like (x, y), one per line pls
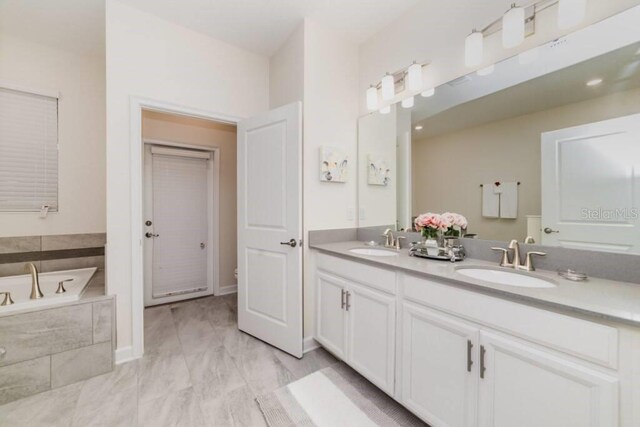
(507, 278)
(372, 252)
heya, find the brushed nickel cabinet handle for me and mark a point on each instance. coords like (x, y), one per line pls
(342, 301)
(482, 365)
(469, 361)
(348, 304)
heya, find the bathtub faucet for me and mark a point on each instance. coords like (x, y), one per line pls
(36, 293)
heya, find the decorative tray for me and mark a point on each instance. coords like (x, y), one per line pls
(440, 257)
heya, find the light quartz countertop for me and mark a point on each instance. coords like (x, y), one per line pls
(605, 299)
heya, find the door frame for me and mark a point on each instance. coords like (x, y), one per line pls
(213, 217)
(136, 105)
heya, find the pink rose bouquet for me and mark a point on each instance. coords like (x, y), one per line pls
(432, 224)
(456, 220)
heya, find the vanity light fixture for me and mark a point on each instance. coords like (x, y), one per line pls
(429, 92)
(513, 27)
(571, 13)
(486, 70)
(407, 102)
(594, 82)
(414, 77)
(386, 109)
(473, 49)
(388, 87)
(372, 98)
(418, 127)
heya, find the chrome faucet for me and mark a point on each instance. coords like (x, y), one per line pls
(36, 293)
(514, 261)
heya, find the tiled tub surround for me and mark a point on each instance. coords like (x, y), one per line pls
(47, 348)
(51, 253)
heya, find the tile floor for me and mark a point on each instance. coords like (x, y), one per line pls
(198, 370)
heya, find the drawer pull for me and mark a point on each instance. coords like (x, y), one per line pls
(482, 366)
(469, 361)
(348, 305)
(342, 302)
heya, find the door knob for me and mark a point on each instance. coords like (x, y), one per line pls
(150, 235)
(293, 243)
(547, 230)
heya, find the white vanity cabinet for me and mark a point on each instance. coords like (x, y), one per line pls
(356, 319)
(439, 370)
(457, 357)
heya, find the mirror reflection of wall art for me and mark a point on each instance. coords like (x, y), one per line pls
(334, 165)
(379, 172)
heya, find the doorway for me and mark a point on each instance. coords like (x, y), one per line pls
(180, 223)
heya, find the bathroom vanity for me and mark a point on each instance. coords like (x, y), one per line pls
(458, 351)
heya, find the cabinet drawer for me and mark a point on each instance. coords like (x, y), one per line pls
(379, 278)
(590, 341)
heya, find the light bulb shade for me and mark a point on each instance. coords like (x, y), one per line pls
(414, 77)
(473, 49)
(388, 87)
(429, 92)
(571, 12)
(513, 27)
(486, 70)
(385, 110)
(407, 102)
(372, 98)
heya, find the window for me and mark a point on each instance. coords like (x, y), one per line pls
(28, 151)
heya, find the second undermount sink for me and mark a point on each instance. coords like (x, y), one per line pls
(373, 252)
(508, 278)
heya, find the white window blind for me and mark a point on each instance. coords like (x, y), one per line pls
(28, 151)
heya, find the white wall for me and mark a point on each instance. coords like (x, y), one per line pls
(434, 31)
(152, 58)
(286, 71)
(80, 79)
(330, 118)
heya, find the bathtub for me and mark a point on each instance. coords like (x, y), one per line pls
(20, 288)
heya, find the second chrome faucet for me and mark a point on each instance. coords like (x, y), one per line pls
(511, 257)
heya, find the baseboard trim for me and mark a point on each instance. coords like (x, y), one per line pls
(309, 344)
(226, 290)
(124, 354)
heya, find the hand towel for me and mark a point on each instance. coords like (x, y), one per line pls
(490, 201)
(509, 200)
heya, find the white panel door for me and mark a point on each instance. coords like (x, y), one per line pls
(331, 328)
(270, 227)
(591, 186)
(526, 387)
(177, 210)
(439, 367)
(371, 337)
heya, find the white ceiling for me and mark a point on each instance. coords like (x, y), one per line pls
(74, 25)
(261, 26)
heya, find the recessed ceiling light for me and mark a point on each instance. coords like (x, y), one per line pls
(418, 127)
(594, 82)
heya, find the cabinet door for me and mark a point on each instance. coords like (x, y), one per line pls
(331, 327)
(524, 386)
(439, 367)
(371, 337)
